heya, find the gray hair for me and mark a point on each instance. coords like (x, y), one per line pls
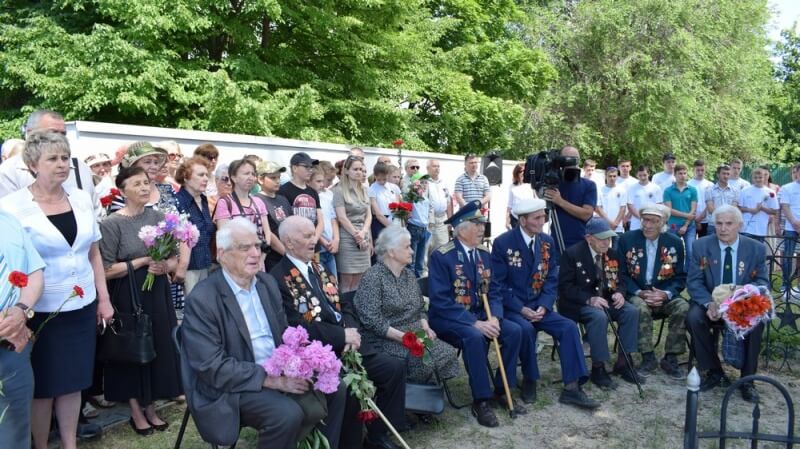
(727, 209)
(290, 224)
(32, 124)
(226, 231)
(390, 238)
(42, 142)
(461, 227)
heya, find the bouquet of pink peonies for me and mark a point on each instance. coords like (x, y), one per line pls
(303, 359)
(163, 239)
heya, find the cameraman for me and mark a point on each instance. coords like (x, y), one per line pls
(574, 201)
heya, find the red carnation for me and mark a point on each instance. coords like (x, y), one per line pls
(418, 350)
(398, 143)
(409, 340)
(77, 291)
(772, 194)
(367, 415)
(18, 279)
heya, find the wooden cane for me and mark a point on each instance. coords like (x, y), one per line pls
(484, 287)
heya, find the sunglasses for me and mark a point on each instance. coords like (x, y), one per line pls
(414, 167)
(224, 179)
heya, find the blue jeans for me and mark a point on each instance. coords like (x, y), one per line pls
(328, 261)
(789, 243)
(688, 240)
(17, 379)
(419, 241)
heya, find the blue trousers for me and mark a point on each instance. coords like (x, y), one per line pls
(17, 388)
(565, 332)
(789, 243)
(419, 242)
(474, 347)
(688, 241)
(596, 323)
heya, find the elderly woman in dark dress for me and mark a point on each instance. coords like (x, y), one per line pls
(140, 385)
(389, 303)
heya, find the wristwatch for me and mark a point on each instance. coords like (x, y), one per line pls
(25, 309)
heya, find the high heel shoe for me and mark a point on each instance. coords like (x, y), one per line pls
(142, 432)
(159, 427)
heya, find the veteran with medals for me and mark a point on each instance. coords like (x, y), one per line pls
(652, 268)
(525, 277)
(456, 312)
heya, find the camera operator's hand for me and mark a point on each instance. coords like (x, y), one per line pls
(553, 195)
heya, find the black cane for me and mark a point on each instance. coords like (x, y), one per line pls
(628, 359)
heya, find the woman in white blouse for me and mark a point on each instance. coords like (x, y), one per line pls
(517, 192)
(62, 227)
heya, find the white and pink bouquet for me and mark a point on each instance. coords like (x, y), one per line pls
(162, 240)
(301, 358)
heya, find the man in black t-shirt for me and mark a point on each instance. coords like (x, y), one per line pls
(278, 207)
(303, 199)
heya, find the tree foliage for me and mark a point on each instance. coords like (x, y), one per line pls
(785, 105)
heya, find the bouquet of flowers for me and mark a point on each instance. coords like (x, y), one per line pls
(301, 358)
(163, 239)
(416, 190)
(417, 342)
(401, 210)
(747, 307)
(108, 199)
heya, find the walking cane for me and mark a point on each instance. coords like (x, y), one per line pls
(484, 289)
(628, 359)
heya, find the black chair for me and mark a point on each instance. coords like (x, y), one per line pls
(176, 340)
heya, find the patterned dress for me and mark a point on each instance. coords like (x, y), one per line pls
(383, 300)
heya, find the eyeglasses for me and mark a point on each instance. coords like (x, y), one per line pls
(414, 167)
(224, 179)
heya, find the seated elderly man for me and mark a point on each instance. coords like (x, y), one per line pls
(311, 299)
(725, 257)
(590, 291)
(525, 276)
(233, 321)
(457, 315)
(652, 268)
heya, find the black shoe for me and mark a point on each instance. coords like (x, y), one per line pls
(601, 378)
(749, 392)
(627, 374)
(142, 432)
(159, 427)
(528, 391)
(485, 415)
(381, 441)
(648, 365)
(714, 379)
(578, 398)
(669, 364)
(500, 401)
(425, 418)
(89, 432)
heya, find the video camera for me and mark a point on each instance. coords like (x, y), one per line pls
(547, 169)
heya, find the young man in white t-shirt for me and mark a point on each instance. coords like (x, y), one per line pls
(757, 202)
(626, 180)
(612, 203)
(789, 199)
(642, 193)
(666, 177)
(735, 181)
(700, 183)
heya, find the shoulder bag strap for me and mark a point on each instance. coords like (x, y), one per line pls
(77, 173)
(256, 213)
(136, 305)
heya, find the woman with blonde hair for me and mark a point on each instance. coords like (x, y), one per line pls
(354, 216)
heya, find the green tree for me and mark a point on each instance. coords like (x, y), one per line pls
(785, 105)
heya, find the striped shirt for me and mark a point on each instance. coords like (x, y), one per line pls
(472, 188)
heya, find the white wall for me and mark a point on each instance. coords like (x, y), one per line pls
(87, 138)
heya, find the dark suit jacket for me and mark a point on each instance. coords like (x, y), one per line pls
(705, 271)
(633, 259)
(217, 353)
(513, 266)
(326, 329)
(577, 280)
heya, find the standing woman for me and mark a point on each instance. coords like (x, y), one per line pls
(140, 385)
(63, 229)
(240, 203)
(193, 265)
(223, 185)
(517, 192)
(352, 212)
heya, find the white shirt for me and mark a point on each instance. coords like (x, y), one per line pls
(640, 195)
(518, 193)
(701, 187)
(790, 194)
(439, 195)
(738, 184)
(750, 197)
(328, 213)
(255, 317)
(663, 180)
(383, 195)
(627, 183)
(66, 266)
(612, 199)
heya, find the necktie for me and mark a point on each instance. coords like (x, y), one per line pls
(598, 266)
(727, 267)
(531, 246)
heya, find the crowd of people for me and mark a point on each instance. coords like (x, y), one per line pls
(319, 244)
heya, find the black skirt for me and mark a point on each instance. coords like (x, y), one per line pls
(63, 353)
(159, 379)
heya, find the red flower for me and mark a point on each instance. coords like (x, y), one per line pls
(398, 143)
(367, 416)
(417, 350)
(18, 279)
(77, 291)
(772, 194)
(409, 339)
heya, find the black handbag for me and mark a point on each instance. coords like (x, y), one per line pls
(129, 338)
(425, 398)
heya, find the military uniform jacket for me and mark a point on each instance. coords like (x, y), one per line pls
(578, 280)
(668, 272)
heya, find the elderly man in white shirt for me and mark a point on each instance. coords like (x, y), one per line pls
(441, 206)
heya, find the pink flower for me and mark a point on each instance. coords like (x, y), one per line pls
(280, 357)
(171, 221)
(295, 336)
(148, 235)
(327, 382)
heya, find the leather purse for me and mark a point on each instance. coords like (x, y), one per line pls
(129, 338)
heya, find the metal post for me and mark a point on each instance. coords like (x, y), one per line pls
(690, 424)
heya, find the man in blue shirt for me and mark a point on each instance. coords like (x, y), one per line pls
(681, 198)
(418, 223)
(574, 201)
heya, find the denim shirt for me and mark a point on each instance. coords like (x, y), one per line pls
(201, 253)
